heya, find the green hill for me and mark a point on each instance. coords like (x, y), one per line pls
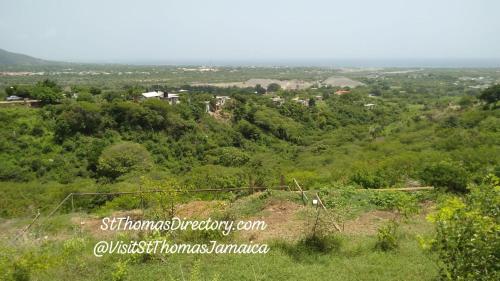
(9, 58)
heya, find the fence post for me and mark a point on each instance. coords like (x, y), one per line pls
(320, 203)
(302, 193)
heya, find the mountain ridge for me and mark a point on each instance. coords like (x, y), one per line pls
(11, 58)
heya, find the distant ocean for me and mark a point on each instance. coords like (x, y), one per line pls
(434, 63)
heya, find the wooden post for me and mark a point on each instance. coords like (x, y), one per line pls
(320, 203)
(302, 193)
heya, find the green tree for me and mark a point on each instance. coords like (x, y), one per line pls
(273, 87)
(122, 158)
(491, 95)
(84, 118)
(259, 89)
(46, 95)
(95, 91)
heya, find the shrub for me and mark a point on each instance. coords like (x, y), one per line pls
(449, 176)
(21, 272)
(387, 237)
(229, 157)
(122, 158)
(214, 176)
(310, 245)
(467, 235)
(404, 203)
(368, 179)
(120, 271)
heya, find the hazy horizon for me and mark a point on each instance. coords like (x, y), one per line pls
(314, 32)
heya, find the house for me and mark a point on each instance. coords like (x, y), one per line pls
(301, 101)
(278, 100)
(342, 92)
(220, 101)
(318, 98)
(172, 98)
(153, 95)
(369, 105)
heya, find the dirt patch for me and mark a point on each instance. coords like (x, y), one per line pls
(368, 223)
(9, 228)
(292, 84)
(199, 209)
(282, 222)
(340, 81)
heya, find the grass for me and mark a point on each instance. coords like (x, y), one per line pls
(67, 255)
(356, 260)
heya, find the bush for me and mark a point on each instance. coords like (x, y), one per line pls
(122, 158)
(214, 176)
(84, 118)
(120, 271)
(229, 157)
(387, 237)
(368, 180)
(467, 237)
(449, 176)
(310, 245)
(404, 203)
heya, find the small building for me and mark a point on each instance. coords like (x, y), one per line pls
(153, 95)
(369, 105)
(301, 101)
(278, 100)
(220, 101)
(318, 98)
(172, 98)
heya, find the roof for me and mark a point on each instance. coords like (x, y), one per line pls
(153, 94)
(172, 95)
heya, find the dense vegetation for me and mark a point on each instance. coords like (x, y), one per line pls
(398, 130)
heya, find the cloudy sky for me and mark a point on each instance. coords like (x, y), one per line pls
(256, 30)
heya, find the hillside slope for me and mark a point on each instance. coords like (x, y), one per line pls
(9, 58)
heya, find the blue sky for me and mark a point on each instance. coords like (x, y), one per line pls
(223, 30)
